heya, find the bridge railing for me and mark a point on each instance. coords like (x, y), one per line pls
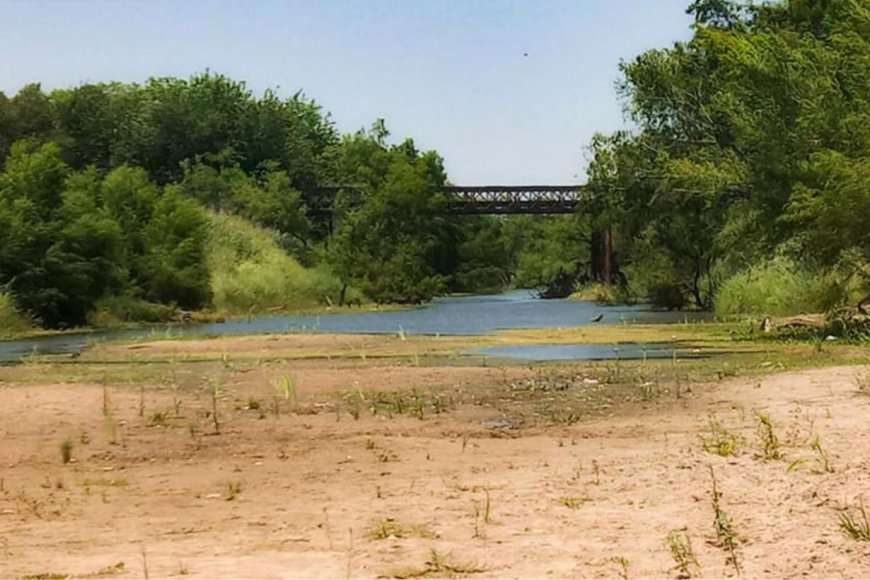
(513, 199)
(477, 200)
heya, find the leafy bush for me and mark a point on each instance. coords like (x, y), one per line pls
(115, 310)
(250, 272)
(668, 295)
(778, 287)
(11, 320)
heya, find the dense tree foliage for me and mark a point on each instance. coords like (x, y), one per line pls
(69, 238)
(752, 139)
(104, 190)
(749, 157)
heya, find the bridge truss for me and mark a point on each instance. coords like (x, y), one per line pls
(516, 199)
(477, 200)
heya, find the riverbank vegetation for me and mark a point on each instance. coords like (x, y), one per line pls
(12, 322)
(133, 202)
(741, 189)
(743, 185)
(747, 172)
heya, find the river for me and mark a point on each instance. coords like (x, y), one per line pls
(476, 314)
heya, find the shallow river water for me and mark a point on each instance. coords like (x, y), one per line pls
(479, 314)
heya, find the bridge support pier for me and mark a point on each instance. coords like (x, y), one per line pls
(602, 269)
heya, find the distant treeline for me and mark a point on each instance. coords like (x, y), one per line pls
(106, 188)
(744, 185)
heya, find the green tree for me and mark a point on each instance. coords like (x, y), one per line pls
(58, 251)
(173, 264)
(400, 245)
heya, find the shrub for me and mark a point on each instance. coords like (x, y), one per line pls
(667, 295)
(249, 271)
(12, 322)
(778, 287)
(115, 310)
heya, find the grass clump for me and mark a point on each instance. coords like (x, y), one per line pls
(417, 402)
(719, 441)
(857, 528)
(823, 460)
(573, 502)
(286, 386)
(768, 441)
(158, 419)
(390, 528)
(232, 491)
(110, 570)
(622, 562)
(680, 546)
(12, 322)
(440, 564)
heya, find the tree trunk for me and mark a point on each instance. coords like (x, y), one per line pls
(342, 294)
(602, 256)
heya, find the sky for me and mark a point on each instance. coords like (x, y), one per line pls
(508, 91)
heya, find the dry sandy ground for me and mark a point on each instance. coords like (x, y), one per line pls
(312, 486)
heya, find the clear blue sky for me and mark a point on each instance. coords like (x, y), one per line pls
(452, 74)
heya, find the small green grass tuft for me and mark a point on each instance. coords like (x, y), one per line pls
(768, 441)
(573, 502)
(857, 528)
(158, 419)
(823, 460)
(232, 491)
(622, 562)
(440, 564)
(390, 528)
(680, 546)
(719, 440)
(110, 570)
(286, 386)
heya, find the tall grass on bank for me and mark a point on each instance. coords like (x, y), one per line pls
(603, 294)
(12, 322)
(779, 287)
(249, 271)
(112, 311)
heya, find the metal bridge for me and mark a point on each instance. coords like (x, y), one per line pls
(516, 199)
(478, 200)
(494, 200)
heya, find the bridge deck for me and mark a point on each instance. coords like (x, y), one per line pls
(516, 199)
(485, 199)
